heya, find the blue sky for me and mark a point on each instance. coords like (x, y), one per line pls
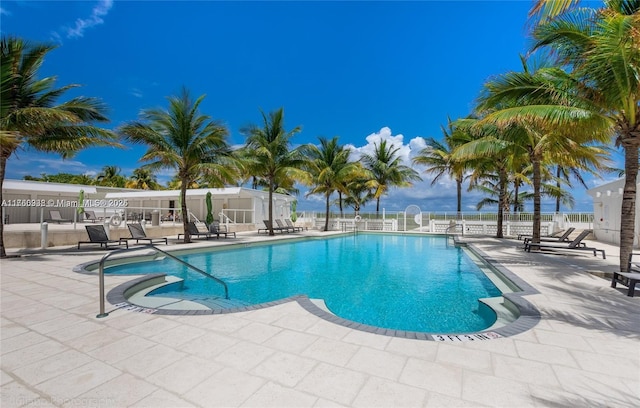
(360, 70)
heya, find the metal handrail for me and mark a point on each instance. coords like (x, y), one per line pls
(448, 234)
(104, 258)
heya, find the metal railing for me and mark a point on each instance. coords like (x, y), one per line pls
(104, 258)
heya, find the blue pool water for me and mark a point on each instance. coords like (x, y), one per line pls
(401, 282)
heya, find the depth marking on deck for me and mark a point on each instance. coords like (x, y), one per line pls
(133, 308)
(465, 337)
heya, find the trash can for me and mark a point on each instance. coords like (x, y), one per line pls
(155, 218)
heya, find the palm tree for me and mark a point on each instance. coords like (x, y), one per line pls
(110, 176)
(545, 10)
(30, 115)
(182, 139)
(387, 170)
(273, 159)
(142, 178)
(437, 156)
(329, 168)
(515, 102)
(603, 49)
(492, 160)
(359, 190)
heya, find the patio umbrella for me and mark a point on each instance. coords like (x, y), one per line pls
(294, 205)
(207, 201)
(80, 202)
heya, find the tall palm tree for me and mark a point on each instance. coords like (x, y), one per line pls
(437, 156)
(517, 102)
(273, 158)
(329, 168)
(30, 115)
(387, 170)
(603, 49)
(183, 139)
(492, 160)
(142, 178)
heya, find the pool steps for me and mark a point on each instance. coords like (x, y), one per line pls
(137, 295)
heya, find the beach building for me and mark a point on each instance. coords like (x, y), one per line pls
(31, 201)
(26, 202)
(244, 207)
(607, 202)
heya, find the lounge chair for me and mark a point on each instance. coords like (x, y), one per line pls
(216, 228)
(629, 279)
(137, 233)
(91, 216)
(553, 238)
(290, 225)
(98, 235)
(267, 225)
(284, 227)
(575, 245)
(54, 216)
(196, 230)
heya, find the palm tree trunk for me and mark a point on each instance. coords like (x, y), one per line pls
(326, 219)
(558, 185)
(516, 190)
(378, 207)
(271, 233)
(340, 204)
(537, 180)
(185, 213)
(459, 196)
(628, 212)
(502, 197)
(3, 166)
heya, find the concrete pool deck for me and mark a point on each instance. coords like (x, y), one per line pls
(585, 351)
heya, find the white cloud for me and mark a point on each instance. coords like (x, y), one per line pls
(81, 24)
(375, 138)
(136, 92)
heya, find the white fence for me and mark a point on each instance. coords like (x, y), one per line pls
(475, 223)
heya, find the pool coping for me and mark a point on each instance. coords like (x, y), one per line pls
(528, 318)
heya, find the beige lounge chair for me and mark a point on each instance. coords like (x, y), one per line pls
(290, 225)
(91, 216)
(54, 216)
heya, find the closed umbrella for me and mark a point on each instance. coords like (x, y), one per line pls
(294, 216)
(80, 202)
(207, 201)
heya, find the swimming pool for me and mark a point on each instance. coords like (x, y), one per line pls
(401, 282)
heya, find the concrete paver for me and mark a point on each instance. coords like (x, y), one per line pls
(54, 351)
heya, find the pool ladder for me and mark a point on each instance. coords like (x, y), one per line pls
(158, 250)
(453, 235)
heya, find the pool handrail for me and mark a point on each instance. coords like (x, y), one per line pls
(149, 246)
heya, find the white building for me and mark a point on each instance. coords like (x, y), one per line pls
(26, 202)
(31, 201)
(607, 204)
(237, 205)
